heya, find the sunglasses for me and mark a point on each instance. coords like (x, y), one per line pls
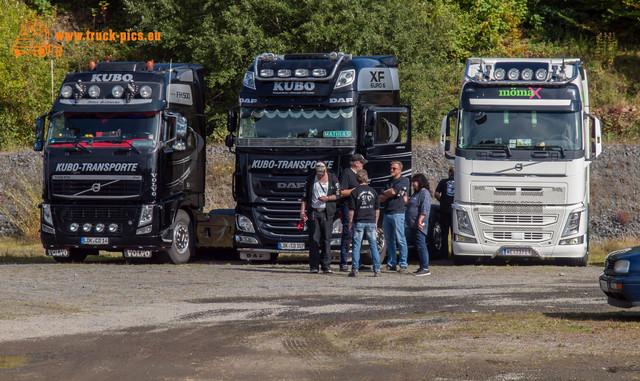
(394, 168)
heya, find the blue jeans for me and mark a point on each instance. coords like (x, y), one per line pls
(368, 230)
(394, 234)
(420, 240)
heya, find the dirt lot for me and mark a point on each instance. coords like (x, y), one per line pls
(230, 320)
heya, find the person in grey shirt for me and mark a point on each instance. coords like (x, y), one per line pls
(417, 220)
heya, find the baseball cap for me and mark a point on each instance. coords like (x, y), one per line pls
(358, 157)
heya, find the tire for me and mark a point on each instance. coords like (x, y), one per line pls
(75, 256)
(183, 246)
(577, 262)
(434, 244)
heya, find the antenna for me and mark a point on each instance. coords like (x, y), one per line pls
(52, 81)
(169, 85)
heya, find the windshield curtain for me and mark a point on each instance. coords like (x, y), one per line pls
(138, 129)
(520, 130)
(297, 123)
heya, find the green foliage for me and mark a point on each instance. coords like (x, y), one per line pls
(26, 80)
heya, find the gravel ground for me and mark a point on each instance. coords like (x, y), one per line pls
(217, 320)
(615, 205)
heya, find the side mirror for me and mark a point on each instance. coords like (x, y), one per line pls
(368, 141)
(39, 143)
(232, 121)
(445, 130)
(596, 137)
(230, 141)
(181, 133)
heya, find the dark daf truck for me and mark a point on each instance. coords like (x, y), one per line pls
(298, 109)
(124, 162)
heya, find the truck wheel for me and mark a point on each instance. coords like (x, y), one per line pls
(577, 262)
(434, 241)
(183, 245)
(75, 256)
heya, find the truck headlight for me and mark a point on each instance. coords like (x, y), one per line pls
(249, 80)
(146, 215)
(621, 266)
(245, 224)
(337, 227)
(573, 223)
(464, 223)
(46, 214)
(345, 78)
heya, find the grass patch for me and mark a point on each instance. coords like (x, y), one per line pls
(598, 251)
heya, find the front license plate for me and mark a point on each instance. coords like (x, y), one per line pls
(137, 253)
(58, 253)
(291, 245)
(517, 252)
(94, 241)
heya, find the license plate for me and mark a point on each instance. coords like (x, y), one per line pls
(94, 240)
(291, 245)
(58, 253)
(517, 252)
(137, 253)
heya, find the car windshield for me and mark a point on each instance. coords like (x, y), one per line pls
(520, 130)
(290, 123)
(136, 129)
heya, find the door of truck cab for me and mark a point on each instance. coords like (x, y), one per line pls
(386, 138)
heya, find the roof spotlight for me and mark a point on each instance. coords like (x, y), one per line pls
(513, 74)
(541, 74)
(499, 74)
(527, 74)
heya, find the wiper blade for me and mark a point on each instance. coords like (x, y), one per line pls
(504, 146)
(131, 146)
(79, 147)
(561, 148)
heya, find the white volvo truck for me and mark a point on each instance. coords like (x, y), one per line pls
(524, 140)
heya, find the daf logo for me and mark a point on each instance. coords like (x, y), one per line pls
(340, 100)
(248, 100)
(95, 187)
(518, 167)
(290, 185)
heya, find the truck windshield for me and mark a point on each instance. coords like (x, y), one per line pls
(520, 130)
(297, 123)
(136, 129)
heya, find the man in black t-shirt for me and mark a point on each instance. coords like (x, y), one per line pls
(364, 211)
(444, 193)
(348, 183)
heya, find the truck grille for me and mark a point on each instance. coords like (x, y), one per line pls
(518, 236)
(89, 187)
(280, 220)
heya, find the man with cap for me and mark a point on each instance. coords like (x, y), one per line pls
(348, 183)
(321, 192)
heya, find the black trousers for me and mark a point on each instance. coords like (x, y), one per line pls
(320, 240)
(445, 226)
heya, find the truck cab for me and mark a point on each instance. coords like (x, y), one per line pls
(523, 143)
(295, 110)
(123, 162)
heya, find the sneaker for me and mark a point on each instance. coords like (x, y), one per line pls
(422, 272)
(353, 274)
(344, 268)
(418, 270)
(314, 271)
(327, 271)
(377, 273)
(392, 268)
(402, 269)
